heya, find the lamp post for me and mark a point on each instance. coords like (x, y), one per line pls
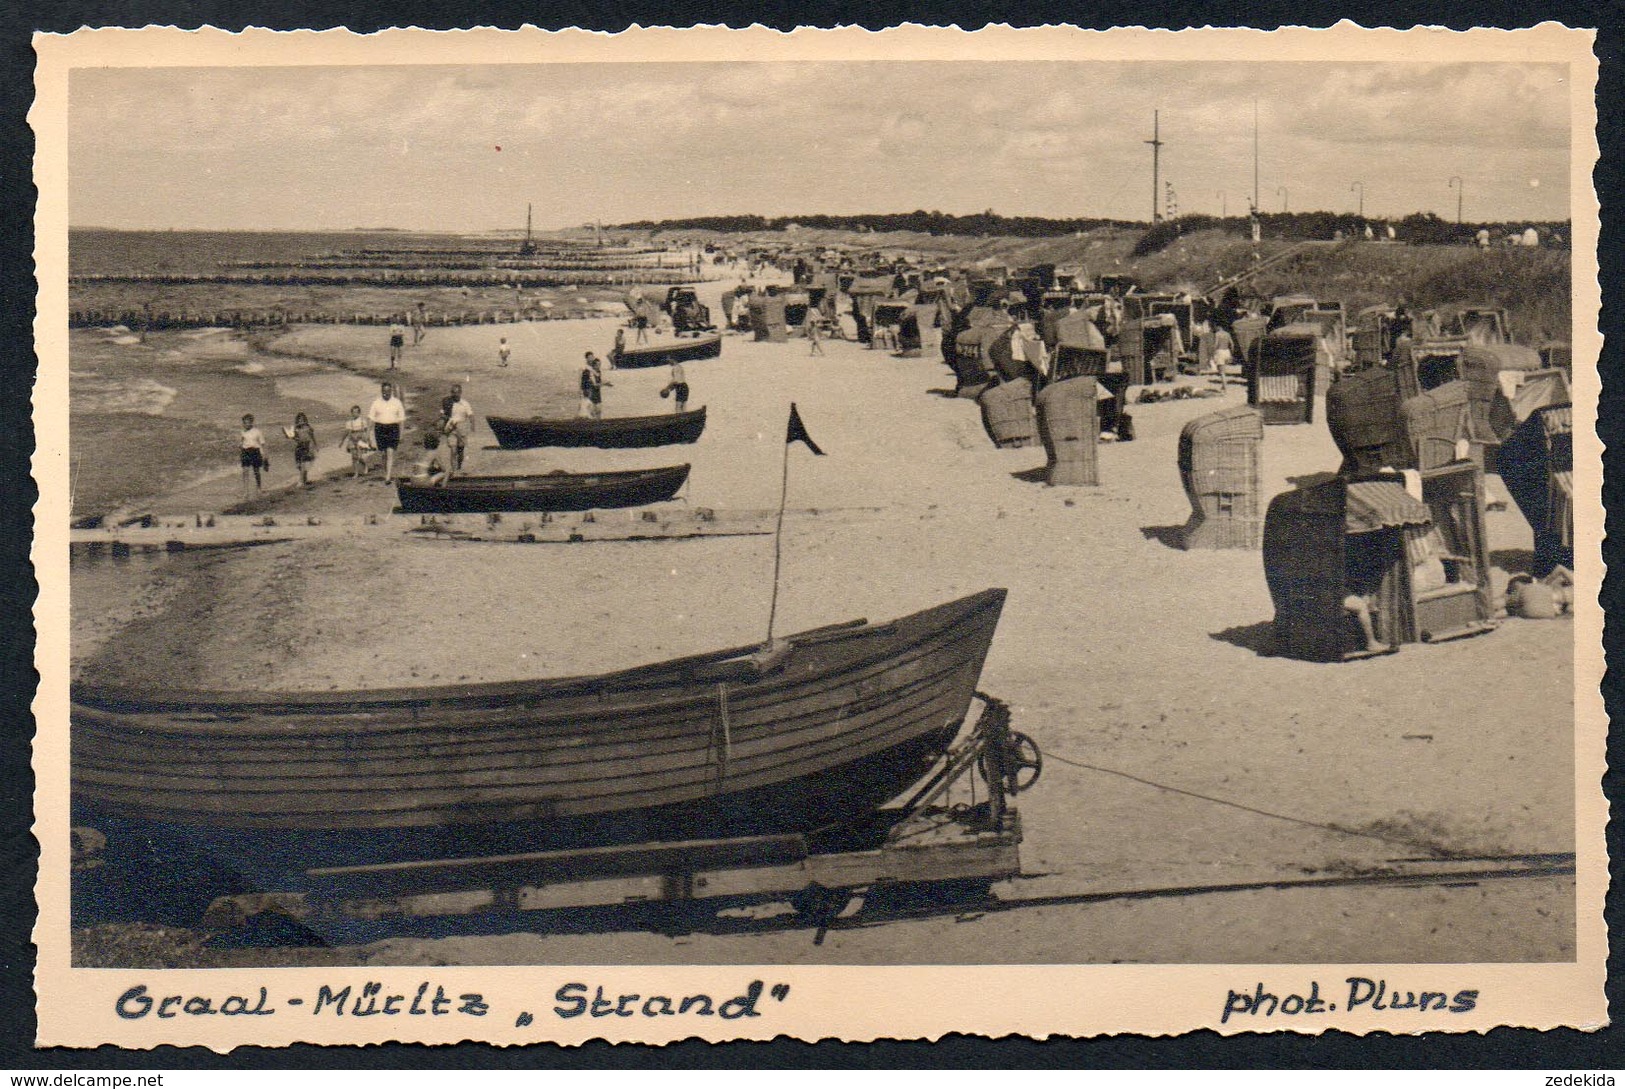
(1360, 185)
(1460, 187)
(1282, 192)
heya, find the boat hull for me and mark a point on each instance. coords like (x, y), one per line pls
(836, 723)
(660, 355)
(532, 494)
(614, 433)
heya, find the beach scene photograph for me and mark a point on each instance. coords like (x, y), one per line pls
(824, 512)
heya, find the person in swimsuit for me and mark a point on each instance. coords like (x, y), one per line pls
(677, 387)
(387, 415)
(457, 421)
(420, 318)
(503, 352)
(397, 343)
(357, 442)
(252, 457)
(592, 388)
(304, 448)
(430, 468)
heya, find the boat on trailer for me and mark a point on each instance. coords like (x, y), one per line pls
(681, 350)
(815, 732)
(556, 491)
(610, 433)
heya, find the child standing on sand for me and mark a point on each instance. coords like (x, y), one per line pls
(356, 442)
(252, 457)
(503, 351)
(304, 447)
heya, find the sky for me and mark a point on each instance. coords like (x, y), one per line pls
(466, 148)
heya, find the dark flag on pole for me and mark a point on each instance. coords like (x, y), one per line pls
(797, 431)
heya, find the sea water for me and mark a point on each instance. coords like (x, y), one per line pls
(148, 418)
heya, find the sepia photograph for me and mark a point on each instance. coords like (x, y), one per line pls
(826, 511)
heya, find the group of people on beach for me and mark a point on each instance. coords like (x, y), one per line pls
(376, 434)
(255, 462)
(592, 382)
(367, 438)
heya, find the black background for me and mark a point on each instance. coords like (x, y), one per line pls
(1556, 1052)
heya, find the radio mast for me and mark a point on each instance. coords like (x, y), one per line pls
(1156, 165)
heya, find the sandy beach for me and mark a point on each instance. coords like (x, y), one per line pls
(1177, 753)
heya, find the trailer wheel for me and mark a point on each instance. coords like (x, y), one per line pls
(819, 904)
(1023, 762)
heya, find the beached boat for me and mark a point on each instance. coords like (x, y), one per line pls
(819, 729)
(610, 433)
(554, 491)
(682, 350)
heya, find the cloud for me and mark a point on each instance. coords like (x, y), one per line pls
(336, 146)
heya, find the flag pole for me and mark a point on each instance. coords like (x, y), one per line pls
(778, 533)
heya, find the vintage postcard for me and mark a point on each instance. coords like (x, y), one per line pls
(705, 533)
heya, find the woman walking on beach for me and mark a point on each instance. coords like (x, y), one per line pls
(357, 442)
(304, 447)
(252, 457)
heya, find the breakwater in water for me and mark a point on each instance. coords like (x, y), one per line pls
(242, 319)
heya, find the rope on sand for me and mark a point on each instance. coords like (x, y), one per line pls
(1432, 849)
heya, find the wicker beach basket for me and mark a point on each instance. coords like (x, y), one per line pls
(1007, 413)
(1219, 467)
(1069, 425)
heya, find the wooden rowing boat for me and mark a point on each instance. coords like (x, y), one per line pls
(612, 433)
(820, 729)
(682, 350)
(556, 491)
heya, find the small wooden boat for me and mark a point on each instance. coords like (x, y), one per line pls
(682, 350)
(554, 491)
(612, 433)
(818, 730)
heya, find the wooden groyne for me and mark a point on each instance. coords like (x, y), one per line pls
(278, 318)
(385, 277)
(176, 533)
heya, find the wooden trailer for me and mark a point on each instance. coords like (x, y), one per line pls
(957, 828)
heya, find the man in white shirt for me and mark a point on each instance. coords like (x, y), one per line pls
(387, 415)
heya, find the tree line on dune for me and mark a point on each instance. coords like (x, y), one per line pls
(1419, 227)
